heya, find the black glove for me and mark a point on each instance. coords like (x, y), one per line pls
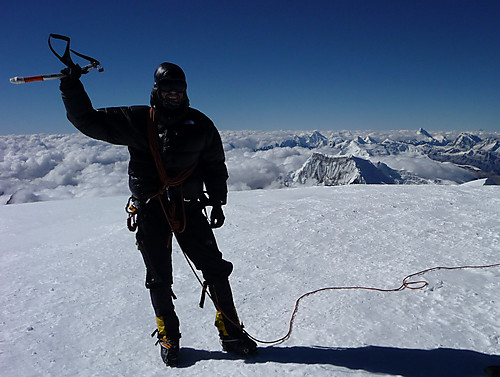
(72, 74)
(216, 217)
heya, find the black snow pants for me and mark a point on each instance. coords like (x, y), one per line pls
(199, 244)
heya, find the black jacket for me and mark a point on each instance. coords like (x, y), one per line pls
(190, 140)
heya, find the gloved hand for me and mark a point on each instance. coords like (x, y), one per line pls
(217, 216)
(72, 75)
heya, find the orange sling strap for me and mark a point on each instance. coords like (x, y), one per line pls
(176, 224)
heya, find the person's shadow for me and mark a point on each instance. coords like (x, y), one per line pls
(440, 362)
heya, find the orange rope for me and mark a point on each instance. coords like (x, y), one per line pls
(405, 285)
(415, 285)
(154, 146)
(176, 225)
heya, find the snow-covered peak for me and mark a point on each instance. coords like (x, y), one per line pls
(320, 169)
(466, 141)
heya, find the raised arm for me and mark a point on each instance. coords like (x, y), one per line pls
(116, 125)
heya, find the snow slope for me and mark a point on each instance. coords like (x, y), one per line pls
(73, 301)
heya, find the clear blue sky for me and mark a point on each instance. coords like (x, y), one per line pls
(337, 64)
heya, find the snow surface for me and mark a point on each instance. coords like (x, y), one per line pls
(73, 301)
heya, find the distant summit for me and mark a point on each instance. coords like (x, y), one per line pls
(423, 132)
(333, 171)
(466, 141)
(315, 140)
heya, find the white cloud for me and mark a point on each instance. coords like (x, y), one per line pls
(48, 167)
(426, 168)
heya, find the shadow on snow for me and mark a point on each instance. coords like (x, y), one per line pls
(441, 362)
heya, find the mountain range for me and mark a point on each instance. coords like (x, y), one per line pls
(338, 160)
(44, 167)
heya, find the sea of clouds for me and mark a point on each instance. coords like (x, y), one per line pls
(48, 167)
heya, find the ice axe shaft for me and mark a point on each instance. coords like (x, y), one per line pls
(25, 80)
(53, 76)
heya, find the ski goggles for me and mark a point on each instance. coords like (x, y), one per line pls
(178, 86)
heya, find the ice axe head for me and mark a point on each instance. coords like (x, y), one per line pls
(65, 58)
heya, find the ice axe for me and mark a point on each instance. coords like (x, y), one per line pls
(65, 59)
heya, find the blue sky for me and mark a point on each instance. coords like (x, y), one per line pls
(267, 65)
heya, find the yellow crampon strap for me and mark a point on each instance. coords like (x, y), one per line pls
(161, 327)
(219, 323)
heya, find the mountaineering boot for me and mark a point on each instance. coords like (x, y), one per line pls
(169, 343)
(234, 340)
(169, 351)
(240, 344)
(232, 336)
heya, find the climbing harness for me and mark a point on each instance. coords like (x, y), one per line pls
(65, 58)
(173, 205)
